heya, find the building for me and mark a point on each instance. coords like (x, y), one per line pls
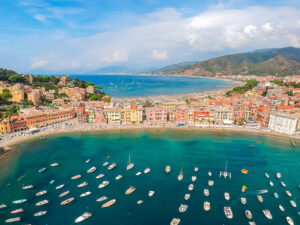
(283, 123)
(156, 114)
(4, 126)
(17, 95)
(136, 114)
(182, 115)
(90, 90)
(114, 115)
(100, 119)
(17, 124)
(34, 96)
(29, 78)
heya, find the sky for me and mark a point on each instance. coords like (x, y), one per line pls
(81, 36)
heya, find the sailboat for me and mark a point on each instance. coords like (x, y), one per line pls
(130, 165)
(180, 176)
(225, 174)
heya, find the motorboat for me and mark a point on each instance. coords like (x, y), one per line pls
(276, 195)
(263, 191)
(289, 220)
(259, 198)
(119, 177)
(91, 170)
(105, 163)
(27, 187)
(44, 202)
(85, 194)
(278, 175)
(2, 206)
(100, 176)
(180, 175)
(76, 177)
(194, 178)
(288, 193)
(59, 186)
(191, 187)
(109, 203)
(42, 170)
(248, 214)
(54, 164)
(138, 173)
(271, 184)
(206, 206)
(151, 193)
(252, 223)
(283, 184)
(293, 203)
(209, 173)
(226, 196)
(206, 192)
(103, 184)
(139, 202)
(130, 165)
(101, 199)
(243, 200)
(267, 214)
(17, 211)
(147, 170)
(64, 194)
(20, 201)
(187, 196)
(196, 169)
(175, 221)
(281, 208)
(11, 220)
(83, 217)
(67, 201)
(87, 161)
(168, 169)
(51, 181)
(130, 190)
(112, 166)
(267, 175)
(183, 208)
(210, 183)
(228, 212)
(83, 184)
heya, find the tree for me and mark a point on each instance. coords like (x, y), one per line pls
(94, 97)
(5, 74)
(5, 96)
(17, 79)
(106, 98)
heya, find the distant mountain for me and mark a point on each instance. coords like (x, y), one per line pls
(173, 67)
(282, 61)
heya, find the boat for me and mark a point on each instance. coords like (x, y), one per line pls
(85, 194)
(288, 193)
(64, 194)
(263, 191)
(267, 214)
(283, 184)
(82, 184)
(194, 178)
(244, 187)
(42, 170)
(243, 200)
(130, 190)
(59, 186)
(151, 193)
(210, 183)
(76, 177)
(175, 221)
(67, 201)
(183, 208)
(259, 198)
(2, 206)
(112, 166)
(83, 217)
(227, 196)
(289, 220)
(248, 214)
(196, 169)
(267, 175)
(206, 206)
(54, 164)
(168, 169)
(119, 177)
(101, 199)
(87, 161)
(252, 223)
(180, 176)
(103, 184)
(191, 187)
(130, 165)
(91, 170)
(206, 192)
(105, 163)
(278, 175)
(11, 220)
(281, 208)
(209, 173)
(43, 138)
(100, 176)
(28, 187)
(228, 212)
(19, 201)
(17, 211)
(276, 195)
(44, 202)
(40, 213)
(147, 170)
(41, 193)
(293, 203)
(138, 173)
(271, 184)
(139, 202)
(52, 181)
(244, 171)
(109, 203)
(225, 173)
(187, 196)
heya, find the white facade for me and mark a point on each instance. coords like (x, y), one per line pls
(283, 123)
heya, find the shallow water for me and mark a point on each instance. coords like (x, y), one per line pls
(154, 149)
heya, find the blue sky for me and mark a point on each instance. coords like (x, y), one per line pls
(81, 36)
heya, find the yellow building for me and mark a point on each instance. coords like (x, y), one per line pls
(4, 126)
(136, 115)
(17, 95)
(114, 115)
(169, 105)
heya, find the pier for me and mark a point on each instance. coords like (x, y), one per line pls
(292, 142)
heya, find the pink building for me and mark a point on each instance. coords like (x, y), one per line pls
(156, 115)
(182, 115)
(100, 119)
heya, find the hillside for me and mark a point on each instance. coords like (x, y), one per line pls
(283, 61)
(173, 67)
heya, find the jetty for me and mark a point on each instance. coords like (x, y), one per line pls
(292, 142)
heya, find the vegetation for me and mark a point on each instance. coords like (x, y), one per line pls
(242, 89)
(17, 79)
(82, 83)
(5, 74)
(4, 97)
(289, 84)
(106, 98)
(9, 111)
(94, 97)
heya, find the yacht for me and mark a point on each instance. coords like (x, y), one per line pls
(187, 196)
(103, 184)
(44, 202)
(41, 193)
(271, 184)
(100, 176)
(130, 165)
(289, 220)
(27, 187)
(175, 221)
(209, 173)
(252, 223)
(101, 199)
(83, 217)
(109, 203)
(147, 170)
(267, 175)
(138, 173)
(2, 206)
(42, 170)
(87, 161)
(130, 190)
(40, 213)
(288, 193)
(278, 175)
(76, 177)
(281, 208)
(67, 201)
(210, 183)
(183, 208)
(85, 194)
(276, 195)
(52, 181)
(267, 214)
(91, 170)
(112, 166)
(206, 206)
(191, 187)
(54, 164)
(139, 202)
(168, 169)
(259, 198)
(105, 163)
(194, 178)
(243, 200)
(82, 184)
(248, 214)
(16, 202)
(151, 193)
(196, 169)
(226, 196)
(283, 184)
(119, 177)
(64, 194)
(59, 186)
(293, 203)
(228, 212)
(263, 191)
(206, 192)
(11, 220)
(17, 211)
(180, 176)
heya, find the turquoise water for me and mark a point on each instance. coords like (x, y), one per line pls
(137, 85)
(154, 149)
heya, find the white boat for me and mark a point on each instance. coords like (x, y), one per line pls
(187, 196)
(191, 187)
(271, 184)
(288, 193)
(130, 190)
(83, 217)
(259, 198)
(52, 181)
(103, 184)
(147, 170)
(175, 221)
(100, 176)
(276, 195)
(64, 194)
(101, 199)
(20, 201)
(180, 175)
(41, 193)
(138, 173)
(119, 177)
(85, 194)
(105, 163)
(278, 175)
(27, 187)
(262, 191)
(83, 184)
(139, 202)
(289, 220)
(91, 170)
(267, 175)
(225, 173)
(293, 203)
(151, 193)
(44, 202)
(15, 219)
(112, 166)
(227, 196)
(196, 169)
(283, 184)
(2, 206)
(54, 164)
(267, 214)
(183, 208)
(228, 212)
(168, 169)
(59, 186)
(87, 161)
(248, 214)
(206, 192)
(281, 208)
(206, 206)
(194, 178)
(252, 223)
(130, 165)
(209, 173)
(210, 183)
(243, 200)
(40, 213)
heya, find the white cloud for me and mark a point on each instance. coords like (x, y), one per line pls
(267, 27)
(159, 54)
(40, 17)
(250, 30)
(117, 56)
(293, 40)
(40, 63)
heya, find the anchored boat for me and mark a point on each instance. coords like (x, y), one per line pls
(130, 165)
(267, 214)
(130, 190)
(228, 212)
(83, 217)
(109, 203)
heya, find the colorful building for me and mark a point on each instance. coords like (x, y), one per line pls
(17, 124)
(4, 126)
(156, 114)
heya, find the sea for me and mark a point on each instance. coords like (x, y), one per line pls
(181, 149)
(143, 86)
